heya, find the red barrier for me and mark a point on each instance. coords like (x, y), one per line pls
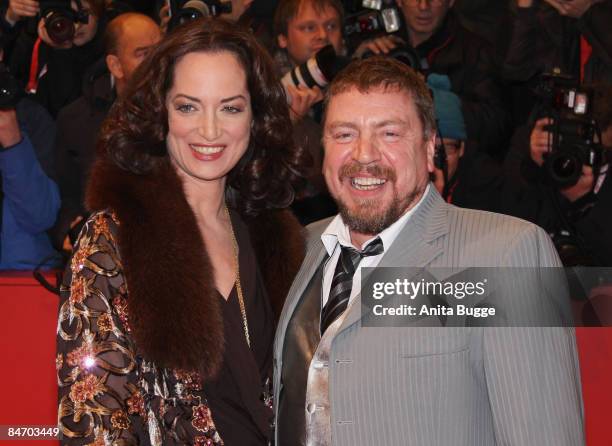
(28, 381)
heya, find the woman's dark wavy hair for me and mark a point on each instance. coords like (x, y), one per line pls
(133, 136)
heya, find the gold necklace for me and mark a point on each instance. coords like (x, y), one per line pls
(238, 285)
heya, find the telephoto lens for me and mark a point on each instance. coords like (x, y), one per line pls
(60, 19)
(318, 71)
(186, 11)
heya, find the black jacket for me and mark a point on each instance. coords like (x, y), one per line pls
(78, 127)
(528, 194)
(542, 40)
(469, 63)
(60, 72)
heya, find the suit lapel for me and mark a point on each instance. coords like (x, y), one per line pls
(413, 247)
(311, 263)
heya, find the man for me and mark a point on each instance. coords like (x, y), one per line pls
(129, 38)
(464, 176)
(578, 216)
(302, 28)
(410, 386)
(29, 197)
(445, 47)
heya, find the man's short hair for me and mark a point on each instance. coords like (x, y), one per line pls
(389, 74)
(288, 10)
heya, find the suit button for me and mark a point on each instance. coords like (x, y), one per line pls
(310, 408)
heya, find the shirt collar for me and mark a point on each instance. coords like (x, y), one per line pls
(338, 232)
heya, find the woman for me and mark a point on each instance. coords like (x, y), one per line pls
(165, 328)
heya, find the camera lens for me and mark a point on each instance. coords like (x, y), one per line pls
(60, 27)
(565, 166)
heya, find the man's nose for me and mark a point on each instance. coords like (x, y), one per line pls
(366, 150)
(423, 4)
(322, 34)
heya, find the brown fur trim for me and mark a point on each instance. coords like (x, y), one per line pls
(279, 243)
(174, 310)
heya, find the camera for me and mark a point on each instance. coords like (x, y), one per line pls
(60, 19)
(182, 11)
(369, 18)
(10, 90)
(574, 130)
(318, 71)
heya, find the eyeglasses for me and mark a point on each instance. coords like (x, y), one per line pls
(452, 148)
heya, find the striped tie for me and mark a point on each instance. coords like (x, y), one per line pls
(342, 282)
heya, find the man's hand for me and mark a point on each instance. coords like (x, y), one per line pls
(380, 45)
(9, 128)
(302, 99)
(582, 187)
(540, 141)
(44, 36)
(18, 9)
(571, 8)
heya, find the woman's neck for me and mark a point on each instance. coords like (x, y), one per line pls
(206, 199)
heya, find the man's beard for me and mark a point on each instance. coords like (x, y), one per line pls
(363, 217)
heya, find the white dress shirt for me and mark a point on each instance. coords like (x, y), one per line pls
(337, 234)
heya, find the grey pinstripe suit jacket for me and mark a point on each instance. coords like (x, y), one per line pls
(444, 386)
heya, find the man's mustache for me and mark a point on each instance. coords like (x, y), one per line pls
(375, 170)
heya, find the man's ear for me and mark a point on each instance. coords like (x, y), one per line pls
(430, 145)
(282, 41)
(462, 149)
(114, 66)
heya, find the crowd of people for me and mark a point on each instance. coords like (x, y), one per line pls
(158, 160)
(483, 66)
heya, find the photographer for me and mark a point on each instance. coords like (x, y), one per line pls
(50, 60)
(570, 34)
(29, 198)
(445, 47)
(578, 216)
(463, 176)
(128, 40)
(302, 29)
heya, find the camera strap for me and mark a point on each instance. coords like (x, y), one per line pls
(585, 54)
(32, 85)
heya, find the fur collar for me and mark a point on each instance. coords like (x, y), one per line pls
(168, 271)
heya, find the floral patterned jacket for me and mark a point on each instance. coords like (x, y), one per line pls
(131, 360)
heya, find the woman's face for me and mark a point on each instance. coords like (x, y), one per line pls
(84, 32)
(209, 115)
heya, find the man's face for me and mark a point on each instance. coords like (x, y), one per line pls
(136, 41)
(377, 162)
(310, 30)
(424, 17)
(454, 151)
